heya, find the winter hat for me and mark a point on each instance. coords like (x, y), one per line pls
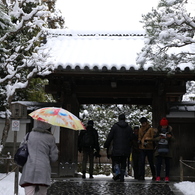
(90, 122)
(42, 125)
(143, 120)
(164, 122)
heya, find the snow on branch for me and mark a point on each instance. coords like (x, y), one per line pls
(170, 34)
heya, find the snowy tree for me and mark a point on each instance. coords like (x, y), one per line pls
(104, 116)
(34, 92)
(20, 55)
(5, 22)
(170, 36)
(55, 19)
(190, 92)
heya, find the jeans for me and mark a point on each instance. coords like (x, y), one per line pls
(159, 161)
(120, 163)
(150, 157)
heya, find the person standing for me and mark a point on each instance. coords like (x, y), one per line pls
(164, 139)
(146, 146)
(87, 142)
(36, 173)
(121, 135)
(135, 152)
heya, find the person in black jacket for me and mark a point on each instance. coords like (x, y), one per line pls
(121, 135)
(87, 142)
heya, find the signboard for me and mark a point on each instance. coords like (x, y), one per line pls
(15, 125)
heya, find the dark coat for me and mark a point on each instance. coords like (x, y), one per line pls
(170, 141)
(121, 134)
(95, 139)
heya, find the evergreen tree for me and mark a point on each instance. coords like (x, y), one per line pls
(190, 91)
(5, 22)
(170, 36)
(34, 92)
(104, 116)
(20, 56)
(55, 18)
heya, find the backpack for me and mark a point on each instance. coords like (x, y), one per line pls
(163, 144)
(88, 139)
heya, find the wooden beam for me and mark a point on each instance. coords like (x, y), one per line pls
(130, 101)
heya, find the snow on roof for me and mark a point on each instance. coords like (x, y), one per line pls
(32, 105)
(69, 48)
(94, 48)
(187, 106)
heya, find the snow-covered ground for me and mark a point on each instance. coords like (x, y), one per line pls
(7, 185)
(187, 187)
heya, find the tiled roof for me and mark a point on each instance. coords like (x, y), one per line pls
(102, 51)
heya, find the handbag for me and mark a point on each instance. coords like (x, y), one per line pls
(21, 154)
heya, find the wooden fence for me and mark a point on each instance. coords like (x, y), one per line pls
(184, 163)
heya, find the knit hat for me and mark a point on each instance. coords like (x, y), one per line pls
(164, 122)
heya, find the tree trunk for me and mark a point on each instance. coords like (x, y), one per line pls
(7, 124)
(5, 132)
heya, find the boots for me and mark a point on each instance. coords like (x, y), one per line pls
(91, 176)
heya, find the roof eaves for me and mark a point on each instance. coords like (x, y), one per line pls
(122, 68)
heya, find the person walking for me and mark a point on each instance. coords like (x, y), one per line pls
(146, 146)
(36, 173)
(87, 142)
(164, 140)
(121, 135)
(109, 156)
(135, 152)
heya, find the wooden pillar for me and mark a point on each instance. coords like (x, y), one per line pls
(68, 140)
(159, 105)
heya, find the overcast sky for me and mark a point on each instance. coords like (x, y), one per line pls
(104, 14)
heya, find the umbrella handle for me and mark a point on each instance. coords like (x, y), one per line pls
(54, 130)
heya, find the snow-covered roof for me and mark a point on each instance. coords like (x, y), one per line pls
(96, 49)
(183, 106)
(32, 105)
(182, 110)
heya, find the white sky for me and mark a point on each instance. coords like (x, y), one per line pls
(104, 14)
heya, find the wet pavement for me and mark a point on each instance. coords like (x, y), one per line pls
(106, 186)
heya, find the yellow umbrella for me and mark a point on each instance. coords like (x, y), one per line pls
(58, 117)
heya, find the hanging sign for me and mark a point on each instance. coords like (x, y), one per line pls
(15, 125)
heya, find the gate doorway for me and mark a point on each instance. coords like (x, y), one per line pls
(75, 87)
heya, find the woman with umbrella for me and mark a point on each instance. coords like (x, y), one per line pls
(42, 149)
(36, 172)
